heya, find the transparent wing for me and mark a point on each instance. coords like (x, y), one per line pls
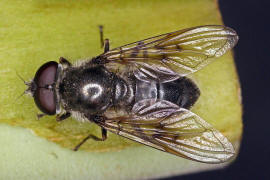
(174, 130)
(184, 51)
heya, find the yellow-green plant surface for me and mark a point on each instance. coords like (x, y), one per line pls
(35, 31)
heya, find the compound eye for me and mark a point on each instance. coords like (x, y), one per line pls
(44, 95)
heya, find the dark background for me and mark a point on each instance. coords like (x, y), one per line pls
(252, 56)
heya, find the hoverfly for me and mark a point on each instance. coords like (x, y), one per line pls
(140, 91)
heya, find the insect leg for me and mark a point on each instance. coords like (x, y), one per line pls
(107, 45)
(101, 35)
(91, 136)
(63, 116)
(103, 43)
(40, 115)
(64, 62)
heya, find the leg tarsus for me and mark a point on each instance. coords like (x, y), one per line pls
(40, 116)
(107, 45)
(64, 61)
(101, 35)
(90, 136)
(63, 116)
(103, 43)
(104, 134)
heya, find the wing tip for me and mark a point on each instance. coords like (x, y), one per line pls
(232, 34)
(232, 39)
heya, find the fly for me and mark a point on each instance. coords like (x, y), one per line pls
(147, 82)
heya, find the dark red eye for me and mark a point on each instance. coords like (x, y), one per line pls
(44, 95)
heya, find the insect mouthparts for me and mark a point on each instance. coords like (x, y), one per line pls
(31, 88)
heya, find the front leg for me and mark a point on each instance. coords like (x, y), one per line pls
(40, 115)
(63, 116)
(64, 62)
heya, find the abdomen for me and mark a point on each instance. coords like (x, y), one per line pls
(182, 91)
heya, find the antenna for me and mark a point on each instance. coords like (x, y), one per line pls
(26, 83)
(21, 77)
(19, 97)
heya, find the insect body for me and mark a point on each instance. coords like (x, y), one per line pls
(147, 82)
